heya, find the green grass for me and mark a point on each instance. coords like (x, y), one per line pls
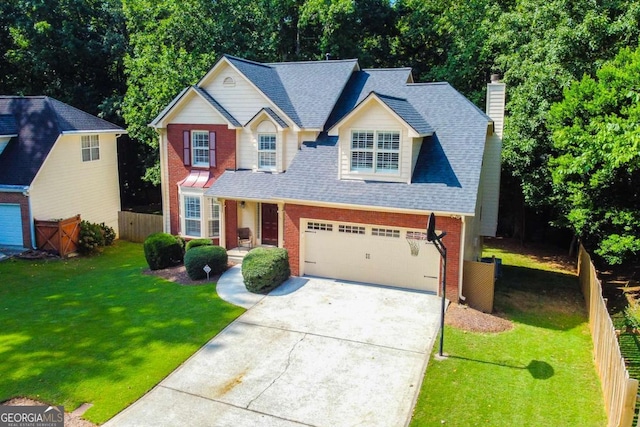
(98, 330)
(540, 373)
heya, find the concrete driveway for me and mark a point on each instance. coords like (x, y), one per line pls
(314, 352)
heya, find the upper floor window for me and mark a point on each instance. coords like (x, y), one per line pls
(375, 151)
(90, 148)
(199, 148)
(267, 151)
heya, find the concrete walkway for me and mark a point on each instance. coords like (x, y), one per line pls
(314, 352)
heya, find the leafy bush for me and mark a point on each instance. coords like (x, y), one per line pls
(91, 238)
(197, 257)
(198, 242)
(162, 250)
(108, 233)
(265, 268)
(632, 314)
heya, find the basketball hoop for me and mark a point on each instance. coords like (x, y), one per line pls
(414, 238)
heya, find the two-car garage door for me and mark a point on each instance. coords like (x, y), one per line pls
(368, 253)
(10, 225)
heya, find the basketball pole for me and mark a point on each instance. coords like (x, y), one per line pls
(443, 253)
(436, 239)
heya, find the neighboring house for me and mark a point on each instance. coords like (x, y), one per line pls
(336, 164)
(55, 162)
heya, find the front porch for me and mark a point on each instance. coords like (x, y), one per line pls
(236, 255)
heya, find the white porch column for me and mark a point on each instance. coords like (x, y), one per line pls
(280, 224)
(223, 222)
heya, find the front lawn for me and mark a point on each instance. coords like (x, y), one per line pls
(97, 330)
(540, 373)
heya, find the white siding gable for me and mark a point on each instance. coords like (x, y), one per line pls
(66, 186)
(197, 110)
(375, 117)
(241, 99)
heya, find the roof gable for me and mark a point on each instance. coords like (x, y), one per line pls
(399, 108)
(39, 121)
(183, 98)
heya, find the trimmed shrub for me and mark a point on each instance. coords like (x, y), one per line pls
(162, 250)
(108, 233)
(197, 257)
(198, 242)
(90, 239)
(265, 268)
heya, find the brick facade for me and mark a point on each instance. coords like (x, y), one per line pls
(453, 227)
(177, 171)
(23, 201)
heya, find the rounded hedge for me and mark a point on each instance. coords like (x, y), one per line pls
(265, 268)
(198, 242)
(197, 257)
(163, 250)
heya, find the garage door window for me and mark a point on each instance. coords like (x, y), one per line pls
(350, 229)
(385, 232)
(319, 226)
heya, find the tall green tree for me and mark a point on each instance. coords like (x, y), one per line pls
(596, 171)
(70, 49)
(544, 45)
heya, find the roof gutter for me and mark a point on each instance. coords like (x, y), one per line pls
(24, 189)
(86, 132)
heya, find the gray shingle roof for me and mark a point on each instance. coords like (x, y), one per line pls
(8, 125)
(447, 172)
(40, 120)
(404, 109)
(305, 91)
(245, 184)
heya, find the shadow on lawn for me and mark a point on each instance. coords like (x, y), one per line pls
(58, 336)
(545, 299)
(538, 369)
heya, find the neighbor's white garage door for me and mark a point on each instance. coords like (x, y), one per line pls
(367, 253)
(10, 225)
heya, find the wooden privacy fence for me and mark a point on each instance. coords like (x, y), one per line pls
(619, 390)
(60, 237)
(135, 227)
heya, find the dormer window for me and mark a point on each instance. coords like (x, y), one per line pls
(267, 151)
(381, 146)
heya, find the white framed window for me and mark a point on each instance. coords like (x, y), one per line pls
(267, 151)
(90, 148)
(214, 218)
(375, 151)
(200, 148)
(192, 216)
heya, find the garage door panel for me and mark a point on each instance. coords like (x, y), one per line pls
(380, 259)
(10, 225)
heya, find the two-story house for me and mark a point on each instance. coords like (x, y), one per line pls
(337, 164)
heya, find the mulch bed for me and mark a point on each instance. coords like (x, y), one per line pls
(179, 275)
(466, 318)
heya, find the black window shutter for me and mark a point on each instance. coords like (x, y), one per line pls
(212, 149)
(186, 154)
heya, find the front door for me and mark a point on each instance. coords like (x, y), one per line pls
(269, 224)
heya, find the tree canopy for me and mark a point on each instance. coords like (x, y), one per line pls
(596, 169)
(126, 60)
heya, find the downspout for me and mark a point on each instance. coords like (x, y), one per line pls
(462, 252)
